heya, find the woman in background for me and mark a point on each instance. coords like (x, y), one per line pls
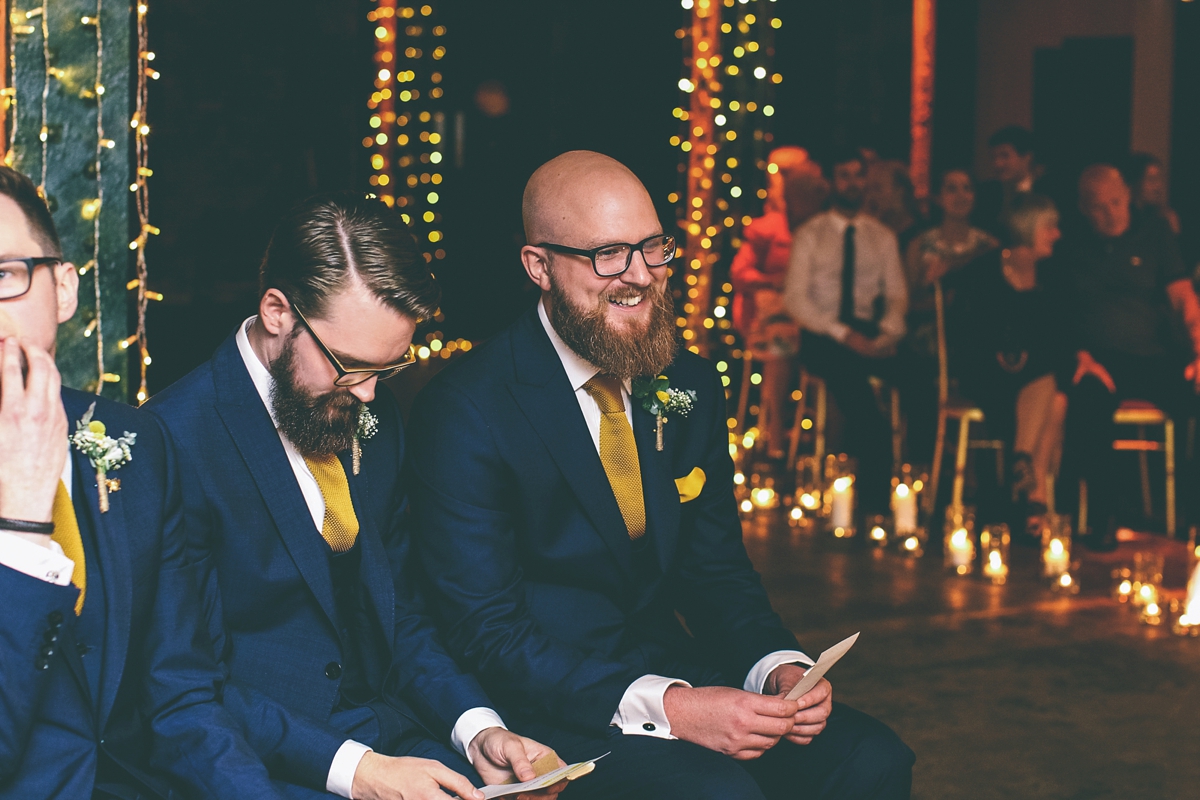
(1147, 182)
(796, 190)
(1010, 348)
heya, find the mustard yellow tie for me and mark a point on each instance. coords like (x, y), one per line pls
(66, 533)
(340, 526)
(618, 452)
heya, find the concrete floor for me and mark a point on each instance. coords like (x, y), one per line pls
(1003, 691)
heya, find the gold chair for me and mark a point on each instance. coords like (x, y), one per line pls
(1141, 414)
(961, 410)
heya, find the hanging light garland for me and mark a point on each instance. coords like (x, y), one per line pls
(725, 112)
(22, 24)
(921, 120)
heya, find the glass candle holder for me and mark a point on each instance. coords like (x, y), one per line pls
(1151, 613)
(763, 496)
(808, 474)
(1122, 584)
(796, 517)
(994, 541)
(1147, 577)
(904, 507)
(1056, 546)
(959, 542)
(1065, 583)
(913, 545)
(840, 498)
(1193, 551)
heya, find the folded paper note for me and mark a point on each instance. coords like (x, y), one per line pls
(567, 773)
(818, 670)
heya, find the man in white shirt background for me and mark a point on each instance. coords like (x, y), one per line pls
(846, 288)
(291, 453)
(586, 559)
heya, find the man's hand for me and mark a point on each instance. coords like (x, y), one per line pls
(500, 755)
(860, 344)
(386, 778)
(815, 706)
(1192, 373)
(33, 435)
(739, 724)
(1086, 365)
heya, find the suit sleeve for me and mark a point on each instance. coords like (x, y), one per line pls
(466, 532)
(721, 595)
(196, 740)
(433, 683)
(34, 613)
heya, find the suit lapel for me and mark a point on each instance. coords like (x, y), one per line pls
(254, 435)
(548, 402)
(375, 567)
(658, 487)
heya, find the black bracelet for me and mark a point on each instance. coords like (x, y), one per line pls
(25, 526)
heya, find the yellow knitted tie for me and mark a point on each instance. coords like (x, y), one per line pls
(340, 526)
(66, 533)
(618, 452)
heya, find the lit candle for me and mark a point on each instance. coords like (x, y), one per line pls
(912, 546)
(1188, 623)
(993, 544)
(1124, 589)
(1065, 584)
(1056, 558)
(842, 507)
(763, 497)
(809, 501)
(904, 509)
(960, 551)
(796, 517)
(878, 534)
(995, 568)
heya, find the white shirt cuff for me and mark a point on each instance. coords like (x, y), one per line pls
(470, 724)
(641, 711)
(757, 678)
(345, 764)
(34, 560)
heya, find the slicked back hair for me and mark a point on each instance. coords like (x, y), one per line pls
(17, 187)
(317, 246)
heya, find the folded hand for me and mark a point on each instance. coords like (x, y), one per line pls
(730, 721)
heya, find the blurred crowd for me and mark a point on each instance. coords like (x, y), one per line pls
(1046, 309)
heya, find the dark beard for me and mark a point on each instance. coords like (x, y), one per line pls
(316, 425)
(588, 334)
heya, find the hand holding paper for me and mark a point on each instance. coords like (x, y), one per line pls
(567, 773)
(827, 660)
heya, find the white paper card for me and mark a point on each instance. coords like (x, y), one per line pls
(567, 773)
(818, 670)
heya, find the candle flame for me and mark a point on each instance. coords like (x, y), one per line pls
(878, 533)
(1065, 580)
(747, 506)
(797, 513)
(842, 484)
(958, 539)
(808, 500)
(902, 490)
(911, 543)
(1056, 547)
(1126, 587)
(994, 559)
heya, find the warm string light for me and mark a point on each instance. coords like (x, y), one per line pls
(921, 119)
(724, 140)
(141, 190)
(99, 202)
(408, 126)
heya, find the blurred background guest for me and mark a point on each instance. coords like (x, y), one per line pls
(938, 253)
(845, 286)
(1010, 151)
(889, 198)
(1124, 287)
(1009, 347)
(796, 190)
(1148, 185)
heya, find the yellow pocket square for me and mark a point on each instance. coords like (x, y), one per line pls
(690, 485)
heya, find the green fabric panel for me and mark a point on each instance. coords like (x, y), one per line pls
(70, 167)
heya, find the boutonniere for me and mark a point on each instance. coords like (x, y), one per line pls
(106, 453)
(660, 399)
(368, 424)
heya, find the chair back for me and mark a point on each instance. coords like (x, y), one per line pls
(939, 302)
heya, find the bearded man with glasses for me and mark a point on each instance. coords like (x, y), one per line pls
(291, 455)
(586, 558)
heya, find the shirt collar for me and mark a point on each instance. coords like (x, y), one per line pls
(579, 370)
(259, 374)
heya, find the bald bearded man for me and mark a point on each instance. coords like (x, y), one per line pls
(593, 573)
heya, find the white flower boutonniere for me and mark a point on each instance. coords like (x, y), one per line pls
(660, 399)
(106, 453)
(368, 424)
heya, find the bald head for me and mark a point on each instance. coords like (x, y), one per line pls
(585, 199)
(1104, 199)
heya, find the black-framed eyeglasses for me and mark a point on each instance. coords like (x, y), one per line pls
(353, 377)
(611, 260)
(16, 274)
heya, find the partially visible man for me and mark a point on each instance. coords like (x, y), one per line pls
(846, 288)
(1122, 284)
(1010, 150)
(102, 638)
(293, 500)
(587, 558)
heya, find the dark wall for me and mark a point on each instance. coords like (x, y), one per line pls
(1185, 128)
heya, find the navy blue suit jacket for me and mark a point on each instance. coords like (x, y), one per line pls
(534, 574)
(157, 673)
(269, 588)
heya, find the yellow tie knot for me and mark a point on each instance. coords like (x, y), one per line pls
(606, 391)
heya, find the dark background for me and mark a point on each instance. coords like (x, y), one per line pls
(264, 103)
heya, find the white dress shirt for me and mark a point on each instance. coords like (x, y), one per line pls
(641, 711)
(345, 761)
(52, 566)
(813, 287)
